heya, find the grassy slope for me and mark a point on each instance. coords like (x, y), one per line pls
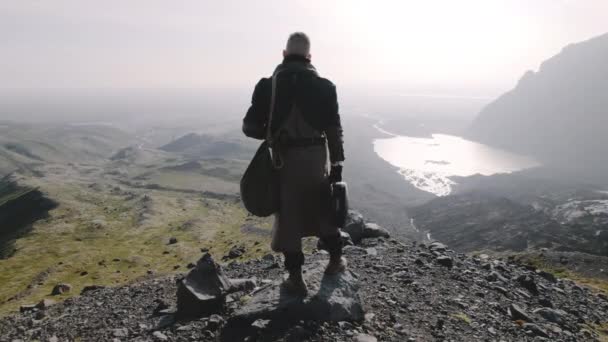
(98, 232)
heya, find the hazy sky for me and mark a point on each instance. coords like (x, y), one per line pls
(483, 46)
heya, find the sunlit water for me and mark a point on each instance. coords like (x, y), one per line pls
(428, 163)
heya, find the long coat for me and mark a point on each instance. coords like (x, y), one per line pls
(304, 209)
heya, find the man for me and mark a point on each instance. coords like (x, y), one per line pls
(304, 124)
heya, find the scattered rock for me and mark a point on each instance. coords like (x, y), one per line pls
(517, 313)
(172, 241)
(372, 230)
(122, 332)
(45, 304)
(235, 252)
(260, 324)
(269, 257)
(535, 329)
(202, 292)
(214, 322)
(438, 247)
(528, 283)
(445, 261)
(98, 223)
(551, 315)
(61, 289)
(495, 276)
(364, 338)
(165, 321)
(159, 336)
(354, 226)
(371, 251)
(27, 307)
(89, 288)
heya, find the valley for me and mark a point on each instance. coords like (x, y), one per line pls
(118, 216)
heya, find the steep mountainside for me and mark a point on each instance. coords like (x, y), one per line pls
(558, 114)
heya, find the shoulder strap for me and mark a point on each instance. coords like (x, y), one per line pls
(272, 99)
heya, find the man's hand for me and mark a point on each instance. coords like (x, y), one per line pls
(335, 175)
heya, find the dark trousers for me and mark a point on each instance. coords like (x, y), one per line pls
(294, 261)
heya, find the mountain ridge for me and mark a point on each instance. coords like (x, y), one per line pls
(556, 114)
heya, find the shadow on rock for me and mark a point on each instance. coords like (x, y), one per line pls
(273, 311)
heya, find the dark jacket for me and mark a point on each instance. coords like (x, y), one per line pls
(297, 83)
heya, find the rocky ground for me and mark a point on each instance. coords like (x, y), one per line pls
(410, 292)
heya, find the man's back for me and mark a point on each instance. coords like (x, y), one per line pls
(305, 125)
(297, 83)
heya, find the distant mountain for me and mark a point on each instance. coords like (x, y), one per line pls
(24, 146)
(558, 114)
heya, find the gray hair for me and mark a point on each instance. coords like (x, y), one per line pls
(298, 44)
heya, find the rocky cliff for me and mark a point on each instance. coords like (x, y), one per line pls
(557, 114)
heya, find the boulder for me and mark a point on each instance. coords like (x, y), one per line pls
(535, 330)
(159, 336)
(354, 226)
(528, 282)
(445, 261)
(551, 315)
(260, 324)
(203, 291)
(89, 288)
(372, 230)
(517, 313)
(27, 307)
(214, 322)
(330, 298)
(61, 289)
(364, 338)
(371, 251)
(235, 252)
(45, 304)
(437, 247)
